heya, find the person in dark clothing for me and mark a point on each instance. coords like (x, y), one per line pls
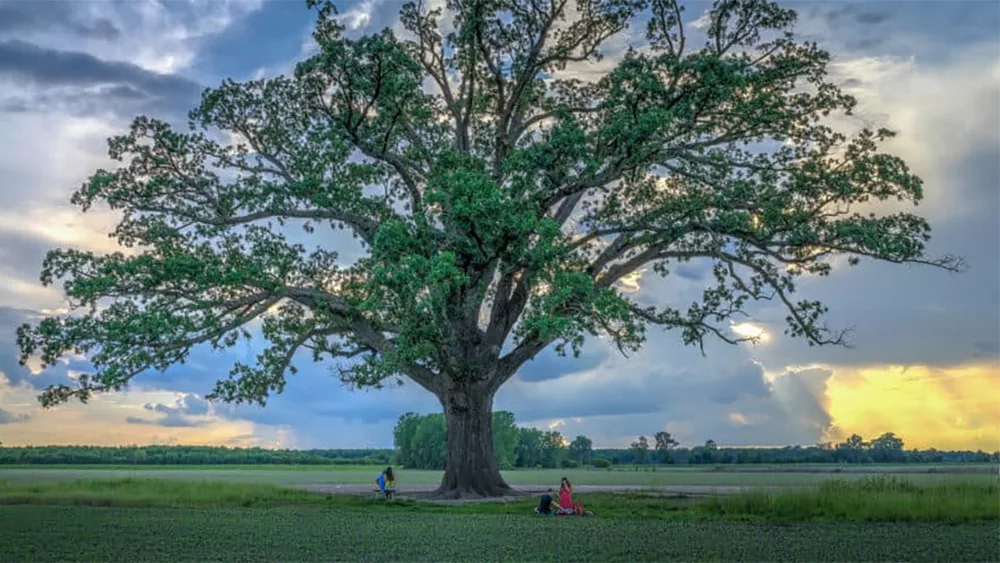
(545, 504)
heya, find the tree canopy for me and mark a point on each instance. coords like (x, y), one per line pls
(500, 199)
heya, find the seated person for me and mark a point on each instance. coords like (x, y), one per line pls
(566, 504)
(387, 482)
(545, 504)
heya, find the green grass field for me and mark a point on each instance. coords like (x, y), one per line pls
(306, 533)
(664, 476)
(245, 514)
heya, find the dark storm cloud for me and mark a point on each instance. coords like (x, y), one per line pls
(119, 100)
(85, 83)
(644, 388)
(730, 405)
(746, 380)
(550, 365)
(26, 16)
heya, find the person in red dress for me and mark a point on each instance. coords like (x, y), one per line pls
(566, 504)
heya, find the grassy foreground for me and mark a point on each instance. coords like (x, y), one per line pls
(870, 499)
(310, 533)
(873, 519)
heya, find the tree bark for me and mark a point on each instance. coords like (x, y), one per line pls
(471, 469)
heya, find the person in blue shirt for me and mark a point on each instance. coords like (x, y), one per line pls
(387, 482)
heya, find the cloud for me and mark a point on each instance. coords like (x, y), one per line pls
(159, 36)
(549, 365)
(64, 75)
(62, 97)
(15, 374)
(703, 21)
(669, 383)
(19, 16)
(100, 422)
(7, 417)
(849, 15)
(179, 415)
(187, 404)
(169, 421)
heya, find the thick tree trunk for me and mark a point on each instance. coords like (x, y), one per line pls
(472, 469)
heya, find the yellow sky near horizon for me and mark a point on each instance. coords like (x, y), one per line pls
(943, 408)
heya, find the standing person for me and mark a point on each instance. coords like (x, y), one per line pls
(387, 483)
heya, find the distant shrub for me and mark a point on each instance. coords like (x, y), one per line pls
(600, 463)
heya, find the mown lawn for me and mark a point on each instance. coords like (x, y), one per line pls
(314, 533)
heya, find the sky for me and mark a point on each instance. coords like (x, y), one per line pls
(925, 360)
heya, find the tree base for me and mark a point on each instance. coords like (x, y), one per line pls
(471, 471)
(478, 492)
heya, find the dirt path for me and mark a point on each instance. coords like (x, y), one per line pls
(532, 490)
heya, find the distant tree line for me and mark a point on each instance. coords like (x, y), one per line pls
(186, 455)
(887, 448)
(420, 443)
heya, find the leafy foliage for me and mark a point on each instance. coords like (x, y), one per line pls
(664, 442)
(662, 140)
(581, 449)
(640, 449)
(500, 210)
(527, 452)
(421, 443)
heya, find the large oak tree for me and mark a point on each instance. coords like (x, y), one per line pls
(500, 201)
